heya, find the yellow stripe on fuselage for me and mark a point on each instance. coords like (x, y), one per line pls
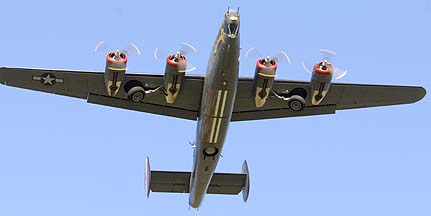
(220, 116)
(223, 104)
(215, 116)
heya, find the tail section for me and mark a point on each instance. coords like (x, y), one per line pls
(179, 182)
(147, 176)
(246, 188)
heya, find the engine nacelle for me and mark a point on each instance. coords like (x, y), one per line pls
(115, 71)
(320, 81)
(263, 80)
(174, 76)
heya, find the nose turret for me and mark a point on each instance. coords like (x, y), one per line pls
(232, 23)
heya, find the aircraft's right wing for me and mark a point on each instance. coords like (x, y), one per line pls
(339, 97)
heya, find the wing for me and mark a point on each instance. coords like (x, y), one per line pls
(90, 86)
(339, 97)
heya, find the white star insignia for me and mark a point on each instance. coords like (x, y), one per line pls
(48, 80)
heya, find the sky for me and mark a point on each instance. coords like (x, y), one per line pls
(62, 156)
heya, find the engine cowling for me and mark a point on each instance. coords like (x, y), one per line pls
(174, 76)
(263, 80)
(320, 81)
(115, 71)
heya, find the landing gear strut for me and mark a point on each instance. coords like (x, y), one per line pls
(295, 102)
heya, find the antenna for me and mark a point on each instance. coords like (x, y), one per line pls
(192, 144)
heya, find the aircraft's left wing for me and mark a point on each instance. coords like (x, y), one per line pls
(90, 86)
(340, 97)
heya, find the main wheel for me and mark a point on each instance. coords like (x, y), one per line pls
(296, 103)
(136, 94)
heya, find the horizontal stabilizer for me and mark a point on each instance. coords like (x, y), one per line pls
(179, 182)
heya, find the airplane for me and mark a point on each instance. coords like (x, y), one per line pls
(213, 100)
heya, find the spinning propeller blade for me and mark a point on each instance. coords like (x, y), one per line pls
(279, 57)
(327, 55)
(131, 49)
(185, 49)
(306, 68)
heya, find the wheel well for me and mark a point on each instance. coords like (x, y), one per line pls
(298, 91)
(132, 83)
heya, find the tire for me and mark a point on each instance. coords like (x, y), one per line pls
(136, 94)
(296, 103)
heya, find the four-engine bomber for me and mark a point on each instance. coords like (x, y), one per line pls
(214, 101)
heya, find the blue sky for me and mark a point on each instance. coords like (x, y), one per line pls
(62, 156)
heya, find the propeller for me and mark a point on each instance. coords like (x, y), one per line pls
(184, 50)
(279, 57)
(327, 55)
(131, 49)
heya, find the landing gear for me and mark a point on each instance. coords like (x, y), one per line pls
(296, 103)
(136, 94)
